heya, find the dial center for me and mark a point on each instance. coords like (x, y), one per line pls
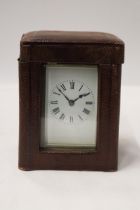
(71, 102)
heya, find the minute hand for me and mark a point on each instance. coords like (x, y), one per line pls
(63, 94)
(82, 95)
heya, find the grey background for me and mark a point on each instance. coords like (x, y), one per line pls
(65, 190)
(120, 17)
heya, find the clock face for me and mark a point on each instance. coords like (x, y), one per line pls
(71, 101)
(70, 106)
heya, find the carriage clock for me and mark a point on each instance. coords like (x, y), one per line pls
(69, 87)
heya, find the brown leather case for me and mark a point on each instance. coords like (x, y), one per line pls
(91, 48)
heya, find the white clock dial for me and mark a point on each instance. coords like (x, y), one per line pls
(71, 101)
(70, 115)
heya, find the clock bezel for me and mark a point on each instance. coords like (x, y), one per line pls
(60, 147)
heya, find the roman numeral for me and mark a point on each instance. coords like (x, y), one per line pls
(72, 85)
(62, 117)
(54, 102)
(63, 87)
(56, 93)
(71, 119)
(80, 87)
(86, 111)
(56, 110)
(89, 102)
(80, 117)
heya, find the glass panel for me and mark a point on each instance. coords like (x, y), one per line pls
(70, 107)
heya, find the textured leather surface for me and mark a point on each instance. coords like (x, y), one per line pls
(70, 37)
(82, 48)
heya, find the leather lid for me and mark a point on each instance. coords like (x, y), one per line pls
(71, 47)
(70, 37)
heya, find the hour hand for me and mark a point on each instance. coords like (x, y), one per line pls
(82, 95)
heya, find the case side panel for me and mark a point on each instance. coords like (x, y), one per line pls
(24, 162)
(114, 115)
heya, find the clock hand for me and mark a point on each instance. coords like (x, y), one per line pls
(63, 94)
(82, 95)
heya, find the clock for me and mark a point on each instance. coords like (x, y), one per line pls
(69, 100)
